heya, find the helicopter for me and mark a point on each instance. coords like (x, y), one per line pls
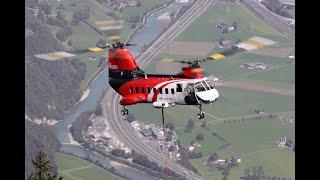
(188, 87)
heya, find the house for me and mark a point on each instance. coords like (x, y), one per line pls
(221, 25)
(231, 28)
(157, 134)
(290, 144)
(259, 111)
(235, 160)
(226, 43)
(146, 132)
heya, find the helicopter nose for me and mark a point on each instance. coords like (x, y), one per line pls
(215, 94)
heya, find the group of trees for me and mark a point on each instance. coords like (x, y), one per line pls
(120, 153)
(276, 7)
(63, 33)
(50, 88)
(80, 126)
(256, 173)
(81, 15)
(184, 161)
(39, 138)
(144, 161)
(194, 155)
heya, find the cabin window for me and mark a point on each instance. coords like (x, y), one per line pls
(149, 90)
(166, 90)
(172, 91)
(137, 90)
(160, 89)
(142, 90)
(179, 88)
(131, 90)
(154, 90)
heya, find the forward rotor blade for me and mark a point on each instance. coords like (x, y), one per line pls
(62, 55)
(54, 56)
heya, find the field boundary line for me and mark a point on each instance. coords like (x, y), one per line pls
(76, 169)
(71, 176)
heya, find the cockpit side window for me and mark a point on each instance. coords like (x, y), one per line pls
(199, 87)
(206, 85)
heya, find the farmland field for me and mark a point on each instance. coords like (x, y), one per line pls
(253, 140)
(72, 168)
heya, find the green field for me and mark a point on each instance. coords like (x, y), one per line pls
(71, 168)
(84, 36)
(254, 140)
(292, 12)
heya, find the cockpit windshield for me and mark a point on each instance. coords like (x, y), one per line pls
(210, 83)
(199, 87)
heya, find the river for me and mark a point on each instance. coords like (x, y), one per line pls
(144, 36)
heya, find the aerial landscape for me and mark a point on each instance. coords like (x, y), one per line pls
(209, 94)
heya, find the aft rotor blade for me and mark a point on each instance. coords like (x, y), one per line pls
(253, 43)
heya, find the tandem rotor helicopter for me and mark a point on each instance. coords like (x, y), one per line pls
(188, 87)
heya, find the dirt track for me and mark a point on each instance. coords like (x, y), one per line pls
(275, 52)
(258, 87)
(189, 48)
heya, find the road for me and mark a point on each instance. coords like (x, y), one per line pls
(271, 19)
(111, 107)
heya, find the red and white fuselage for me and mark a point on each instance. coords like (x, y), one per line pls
(188, 87)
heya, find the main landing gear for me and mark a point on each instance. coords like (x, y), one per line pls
(124, 111)
(201, 113)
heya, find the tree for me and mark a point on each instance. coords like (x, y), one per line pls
(43, 169)
(213, 157)
(171, 148)
(199, 137)
(170, 126)
(190, 125)
(204, 125)
(40, 16)
(169, 138)
(225, 30)
(139, 4)
(69, 42)
(235, 25)
(46, 8)
(133, 25)
(61, 7)
(131, 117)
(63, 33)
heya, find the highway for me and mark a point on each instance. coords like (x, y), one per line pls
(110, 102)
(271, 19)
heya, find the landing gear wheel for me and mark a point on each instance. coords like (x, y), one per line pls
(123, 112)
(200, 115)
(126, 111)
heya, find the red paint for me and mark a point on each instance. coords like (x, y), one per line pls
(193, 73)
(121, 59)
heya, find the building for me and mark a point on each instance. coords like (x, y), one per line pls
(259, 111)
(255, 65)
(235, 160)
(156, 133)
(226, 43)
(146, 132)
(290, 144)
(221, 25)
